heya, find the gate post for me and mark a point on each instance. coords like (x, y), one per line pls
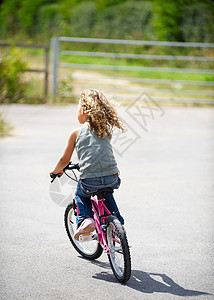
(55, 61)
(46, 72)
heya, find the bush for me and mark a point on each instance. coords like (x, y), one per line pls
(28, 13)
(129, 20)
(5, 128)
(183, 20)
(49, 20)
(12, 85)
(197, 24)
(167, 16)
(9, 21)
(83, 19)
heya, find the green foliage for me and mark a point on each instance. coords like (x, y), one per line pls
(183, 20)
(49, 19)
(64, 88)
(129, 20)
(83, 19)
(28, 12)
(103, 4)
(12, 85)
(180, 20)
(166, 16)
(197, 23)
(5, 128)
(9, 20)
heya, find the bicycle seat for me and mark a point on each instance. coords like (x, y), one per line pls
(102, 192)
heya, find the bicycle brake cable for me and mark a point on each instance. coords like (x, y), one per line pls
(76, 180)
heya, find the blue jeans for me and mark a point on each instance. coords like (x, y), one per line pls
(88, 186)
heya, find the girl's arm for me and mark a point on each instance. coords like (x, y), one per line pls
(64, 160)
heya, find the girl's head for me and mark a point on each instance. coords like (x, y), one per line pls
(100, 113)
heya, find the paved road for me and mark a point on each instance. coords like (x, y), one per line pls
(166, 197)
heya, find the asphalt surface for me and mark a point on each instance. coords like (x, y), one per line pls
(166, 198)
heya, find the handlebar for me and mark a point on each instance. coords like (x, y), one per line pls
(69, 166)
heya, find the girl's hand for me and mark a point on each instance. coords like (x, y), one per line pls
(59, 172)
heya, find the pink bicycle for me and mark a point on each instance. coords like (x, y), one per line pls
(109, 235)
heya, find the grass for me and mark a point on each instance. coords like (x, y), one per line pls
(142, 63)
(34, 92)
(5, 128)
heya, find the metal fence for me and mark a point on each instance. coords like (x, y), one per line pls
(127, 88)
(46, 61)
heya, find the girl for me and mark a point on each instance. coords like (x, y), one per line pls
(98, 167)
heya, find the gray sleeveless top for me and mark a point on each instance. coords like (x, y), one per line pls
(95, 155)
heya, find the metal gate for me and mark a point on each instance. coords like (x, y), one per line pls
(127, 88)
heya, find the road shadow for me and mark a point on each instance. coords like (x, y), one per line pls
(144, 282)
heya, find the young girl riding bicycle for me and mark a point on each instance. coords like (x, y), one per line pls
(98, 167)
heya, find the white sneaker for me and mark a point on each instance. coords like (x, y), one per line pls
(87, 226)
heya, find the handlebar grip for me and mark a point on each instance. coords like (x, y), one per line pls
(71, 167)
(54, 176)
(77, 166)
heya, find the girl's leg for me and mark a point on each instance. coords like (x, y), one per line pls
(84, 206)
(110, 203)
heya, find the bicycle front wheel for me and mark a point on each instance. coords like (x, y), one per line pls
(90, 249)
(119, 254)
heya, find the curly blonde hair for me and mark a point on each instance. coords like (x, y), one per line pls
(101, 113)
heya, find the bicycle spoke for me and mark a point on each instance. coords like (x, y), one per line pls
(116, 251)
(89, 249)
(119, 255)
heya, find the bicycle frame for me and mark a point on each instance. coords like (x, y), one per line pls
(99, 210)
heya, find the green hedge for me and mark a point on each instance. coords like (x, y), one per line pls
(180, 20)
(184, 20)
(130, 20)
(49, 20)
(12, 85)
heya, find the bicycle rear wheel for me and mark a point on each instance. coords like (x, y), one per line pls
(91, 249)
(119, 254)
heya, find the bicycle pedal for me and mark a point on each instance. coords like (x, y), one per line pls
(85, 237)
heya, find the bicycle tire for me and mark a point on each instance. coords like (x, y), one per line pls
(69, 220)
(118, 244)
